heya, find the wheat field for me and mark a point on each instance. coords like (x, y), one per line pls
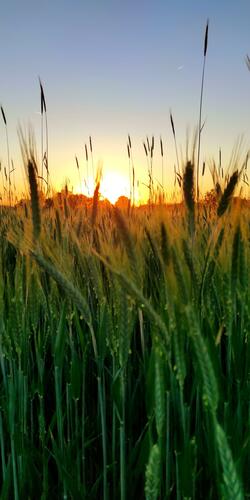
(124, 348)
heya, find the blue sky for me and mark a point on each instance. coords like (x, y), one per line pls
(113, 67)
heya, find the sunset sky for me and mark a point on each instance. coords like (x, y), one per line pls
(113, 67)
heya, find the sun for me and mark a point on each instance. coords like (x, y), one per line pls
(113, 185)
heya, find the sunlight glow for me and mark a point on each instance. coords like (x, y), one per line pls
(113, 185)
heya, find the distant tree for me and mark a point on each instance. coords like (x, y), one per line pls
(211, 198)
(122, 202)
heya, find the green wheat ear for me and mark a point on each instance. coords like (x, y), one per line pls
(232, 487)
(228, 193)
(35, 206)
(58, 227)
(205, 367)
(152, 485)
(160, 413)
(237, 260)
(179, 354)
(188, 191)
(95, 204)
(165, 247)
(128, 242)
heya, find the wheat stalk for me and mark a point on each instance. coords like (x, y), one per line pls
(200, 112)
(35, 206)
(227, 194)
(188, 190)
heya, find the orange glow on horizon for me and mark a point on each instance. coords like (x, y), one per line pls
(113, 184)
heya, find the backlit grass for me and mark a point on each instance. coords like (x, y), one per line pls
(124, 350)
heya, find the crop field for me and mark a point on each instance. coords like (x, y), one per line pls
(124, 348)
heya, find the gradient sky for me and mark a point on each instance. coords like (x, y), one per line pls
(111, 67)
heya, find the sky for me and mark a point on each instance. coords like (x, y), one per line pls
(114, 67)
